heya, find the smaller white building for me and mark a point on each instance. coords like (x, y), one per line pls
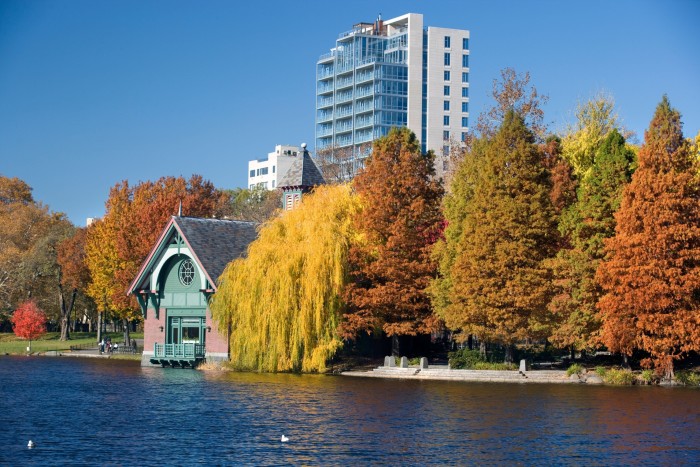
(266, 172)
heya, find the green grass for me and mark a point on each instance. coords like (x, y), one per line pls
(619, 377)
(575, 369)
(11, 344)
(126, 356)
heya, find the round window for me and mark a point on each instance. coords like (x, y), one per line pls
(186, 272)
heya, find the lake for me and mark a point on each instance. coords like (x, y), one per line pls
(94, 412)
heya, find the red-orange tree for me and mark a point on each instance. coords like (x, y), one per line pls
(651, 274)
(118, 244)
(29, 322)
(391, 264)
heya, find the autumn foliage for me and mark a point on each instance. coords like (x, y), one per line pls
(282, 303)
(391, 265)
(28, 321)
(651, 274)
(493, 281)
(135, 215)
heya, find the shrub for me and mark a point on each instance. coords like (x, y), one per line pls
(601, 371)
(619, 377)
(414, 361)
(688, 378)
(575, 369)
(647, 377)
(465, 359)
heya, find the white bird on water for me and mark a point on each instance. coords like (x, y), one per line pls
(284, 439)
(30, 444)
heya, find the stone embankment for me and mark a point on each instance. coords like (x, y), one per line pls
(444, 373)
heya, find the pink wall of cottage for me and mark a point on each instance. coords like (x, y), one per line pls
(215, 341)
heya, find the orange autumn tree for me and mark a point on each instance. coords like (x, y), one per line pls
(74, 274)
(135, 216)
(29, 322)
(391, 267)
(651, 273)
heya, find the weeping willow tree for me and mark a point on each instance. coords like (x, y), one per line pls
(282, 302)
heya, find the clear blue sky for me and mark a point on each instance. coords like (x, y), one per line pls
(96, 91)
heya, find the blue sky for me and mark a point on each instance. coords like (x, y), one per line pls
(96, 91)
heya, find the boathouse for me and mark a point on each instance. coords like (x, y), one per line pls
(174, 284)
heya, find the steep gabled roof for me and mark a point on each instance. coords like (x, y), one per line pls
(303, 172)
(216, 242)
(213, 243)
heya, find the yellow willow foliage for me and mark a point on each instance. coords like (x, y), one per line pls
(282, 302)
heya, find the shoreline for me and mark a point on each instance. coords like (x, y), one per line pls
(432, 373)
(444, 373)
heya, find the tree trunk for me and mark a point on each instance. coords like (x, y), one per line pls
(482, 349)
(572, 353)
(395, 351)
(99, 326)
(127, 338)
(65, 312)
(470, 342)
(625, 362)
(509, 353)
(668, 368)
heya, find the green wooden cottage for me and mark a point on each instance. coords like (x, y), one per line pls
(174, 285)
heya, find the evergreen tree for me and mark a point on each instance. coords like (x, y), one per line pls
(651, 274)
(585, 225)
(448, 247)
(391, 267)
(499, 288)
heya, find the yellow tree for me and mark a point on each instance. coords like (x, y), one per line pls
(102, 261)
(282, 302)
(595, 119)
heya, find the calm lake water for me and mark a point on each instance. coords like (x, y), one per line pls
(95, 412)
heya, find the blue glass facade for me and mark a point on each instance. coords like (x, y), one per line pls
(389, 74)
(361, 90)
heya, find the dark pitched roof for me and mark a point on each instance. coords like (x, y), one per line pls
(216, 242)
(303, 172)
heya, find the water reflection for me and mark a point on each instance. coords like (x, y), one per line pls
(85, 412)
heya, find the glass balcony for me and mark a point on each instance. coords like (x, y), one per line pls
(327, 102)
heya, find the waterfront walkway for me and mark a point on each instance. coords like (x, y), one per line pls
(443, 372)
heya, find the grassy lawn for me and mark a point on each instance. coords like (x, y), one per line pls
(11, 344)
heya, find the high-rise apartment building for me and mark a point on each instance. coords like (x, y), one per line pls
(393, 73)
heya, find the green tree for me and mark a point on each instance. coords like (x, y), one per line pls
(391, 267)
(585, 225)
(500, 286)
(282, 303)
(455, 210)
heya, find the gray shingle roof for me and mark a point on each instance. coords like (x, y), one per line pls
(216, 242)
(303, 172)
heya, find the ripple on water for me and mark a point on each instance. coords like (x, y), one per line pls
(88, 412)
